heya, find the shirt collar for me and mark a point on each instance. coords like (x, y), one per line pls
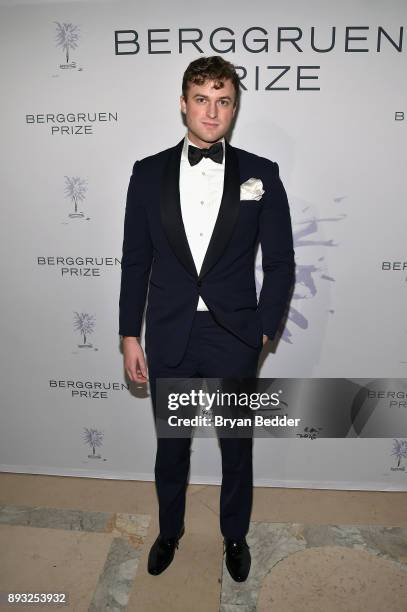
(187, 142)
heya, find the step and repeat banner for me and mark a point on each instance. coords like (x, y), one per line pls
(90, 87)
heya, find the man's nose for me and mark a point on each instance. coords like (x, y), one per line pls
(212, 109)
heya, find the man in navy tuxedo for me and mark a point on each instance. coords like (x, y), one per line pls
(194, 216)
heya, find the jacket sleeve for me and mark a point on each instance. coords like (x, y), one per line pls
(137, 255)
(276, 240)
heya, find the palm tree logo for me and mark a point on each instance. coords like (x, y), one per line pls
(399, 450)
(67, 38)
(310, 432)
(93, 438)
(75, 190)
(307, 275)
(84, 323)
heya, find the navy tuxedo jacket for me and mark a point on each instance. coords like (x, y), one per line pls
(156, 255)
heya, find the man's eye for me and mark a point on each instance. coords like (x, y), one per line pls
(200, 99)
(224, 102)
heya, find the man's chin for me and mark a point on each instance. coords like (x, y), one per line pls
(208, 136)
(211, 138)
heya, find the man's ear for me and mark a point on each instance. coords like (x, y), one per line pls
(183, 105)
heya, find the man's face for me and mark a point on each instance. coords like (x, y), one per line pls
(208, 111)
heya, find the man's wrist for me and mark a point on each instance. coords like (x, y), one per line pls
(132, 337)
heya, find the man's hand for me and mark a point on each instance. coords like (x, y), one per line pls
(265, 339)
(134, 360)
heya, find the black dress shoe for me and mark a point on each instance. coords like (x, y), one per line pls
(238, 559)
(162, 553)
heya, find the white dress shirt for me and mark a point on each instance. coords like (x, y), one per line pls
(201, 189)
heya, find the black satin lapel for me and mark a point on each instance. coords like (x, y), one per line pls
(170, 210)
(228, 211)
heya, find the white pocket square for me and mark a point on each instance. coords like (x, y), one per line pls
(252, 189)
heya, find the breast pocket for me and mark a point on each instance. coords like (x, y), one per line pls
(248, 207)
(253, 202)
(247, 223)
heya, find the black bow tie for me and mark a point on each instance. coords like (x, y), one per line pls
(215, 152)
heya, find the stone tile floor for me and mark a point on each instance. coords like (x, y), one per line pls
(124, 536)
(296, 567)
(292, 564)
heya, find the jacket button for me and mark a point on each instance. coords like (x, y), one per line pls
(199, 283)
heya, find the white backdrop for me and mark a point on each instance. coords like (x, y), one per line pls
(66, 407)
